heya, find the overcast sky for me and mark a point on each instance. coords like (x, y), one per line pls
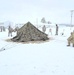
(20, 11)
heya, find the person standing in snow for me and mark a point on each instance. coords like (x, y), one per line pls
(56, 29)
(50, 31)
(10, 30)
(71, 39)
(44, 28)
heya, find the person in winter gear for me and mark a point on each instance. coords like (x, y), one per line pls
(44, 28)
(71, 39)
(56, 29)
(10, 30)
(50, 31)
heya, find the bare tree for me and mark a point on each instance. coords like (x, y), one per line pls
(43, 20)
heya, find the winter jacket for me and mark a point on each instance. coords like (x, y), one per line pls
(71, 38)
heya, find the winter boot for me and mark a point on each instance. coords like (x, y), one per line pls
(68, 45)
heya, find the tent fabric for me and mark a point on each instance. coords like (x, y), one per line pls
(29, 32)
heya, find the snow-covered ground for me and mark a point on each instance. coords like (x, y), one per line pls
(49, 58)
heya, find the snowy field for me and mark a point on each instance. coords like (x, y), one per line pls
(49, 58)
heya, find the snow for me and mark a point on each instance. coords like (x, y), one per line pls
(46, 58)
